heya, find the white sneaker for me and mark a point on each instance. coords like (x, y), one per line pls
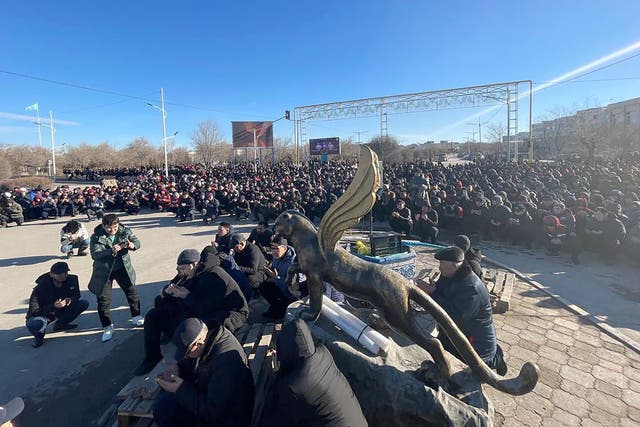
(107, 334)
(138, 320)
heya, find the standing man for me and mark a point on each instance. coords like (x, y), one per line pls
(110, 246)
(56, 297)
(211, 385)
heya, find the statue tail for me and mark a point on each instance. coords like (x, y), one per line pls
(522, 384)
(355, 203)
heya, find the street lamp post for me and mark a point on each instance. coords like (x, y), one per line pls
(53, 144)
(164, 130)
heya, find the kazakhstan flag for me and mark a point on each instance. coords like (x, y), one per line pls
(33, 107)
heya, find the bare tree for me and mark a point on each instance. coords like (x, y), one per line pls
(140, 152)
(209, 143)
(496, 131)
(386, 147)
(179, 156)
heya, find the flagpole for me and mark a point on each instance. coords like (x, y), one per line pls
(39, 127)
(53, 145)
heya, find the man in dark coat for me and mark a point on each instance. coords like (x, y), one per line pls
(56, 297)
(222, 238)
(211, 385)
(400, 220)
(186, 207)
(110, 245)
(262, 236)
(249, 259)
(275, 289)
(425, 224)
(309, 389)
(466, 300)
(471, 255)
(201, 289)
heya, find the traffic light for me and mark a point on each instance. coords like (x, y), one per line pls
(287, 115)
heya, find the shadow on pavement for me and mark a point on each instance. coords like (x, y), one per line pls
(27, 260)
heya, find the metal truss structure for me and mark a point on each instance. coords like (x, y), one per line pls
(473, 96)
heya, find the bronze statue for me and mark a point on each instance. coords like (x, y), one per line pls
(321, 261)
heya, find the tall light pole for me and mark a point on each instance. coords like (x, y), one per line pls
(473, 133)
(53, 144)
(164, 130)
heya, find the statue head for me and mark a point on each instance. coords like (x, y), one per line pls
(284, 224)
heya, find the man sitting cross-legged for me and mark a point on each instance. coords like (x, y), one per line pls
(201, 289)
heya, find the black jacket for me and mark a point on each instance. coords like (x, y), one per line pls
(466, 299)
(309, 389)
(250, 260)
(218, 389)
(46, 293)
(474, 257)
(214, 296)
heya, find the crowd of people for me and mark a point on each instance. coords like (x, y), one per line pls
(561, 206)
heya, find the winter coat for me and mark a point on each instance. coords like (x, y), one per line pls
(466, 300)
(218, 387)
(68, 238)
(281, 266)
(309, 389)
(214, 296)
(46, 293)
(474, 257)
(103, 260)
(250, 260)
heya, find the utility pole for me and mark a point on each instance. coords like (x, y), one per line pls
(164, 134)
(53, 145)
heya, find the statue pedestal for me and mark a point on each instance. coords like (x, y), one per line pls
(392, 388)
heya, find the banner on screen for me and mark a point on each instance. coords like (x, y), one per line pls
(243, 134)
(324, 146)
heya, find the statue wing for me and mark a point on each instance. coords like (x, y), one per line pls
(355, 203)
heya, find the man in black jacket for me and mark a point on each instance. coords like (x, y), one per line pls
(249, 258)
(426, 224)
(222, 238)
(401, 221)
(186, 207)
(201, 289)
(55, 297)
(211, 385)
(466, 300)
(471, 255)
(309, 388)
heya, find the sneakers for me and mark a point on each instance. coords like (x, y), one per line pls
(82, 252)
(107, 334)
(147, 366)
(69, 254)
(64, 327)
(38, 340)
(137, 320)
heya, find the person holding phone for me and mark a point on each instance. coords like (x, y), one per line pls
(56, 297)
(209, 383)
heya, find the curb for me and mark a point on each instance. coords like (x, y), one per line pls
(612, 332)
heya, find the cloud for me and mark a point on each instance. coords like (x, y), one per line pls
(25, 118)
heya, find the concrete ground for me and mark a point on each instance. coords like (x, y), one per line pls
(75, 368)
(587, 377)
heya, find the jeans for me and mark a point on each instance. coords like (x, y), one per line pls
(104, 299)
(81, 245)
(37, 324)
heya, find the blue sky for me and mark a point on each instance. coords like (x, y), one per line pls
(253, 60)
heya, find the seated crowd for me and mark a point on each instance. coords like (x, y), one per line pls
(562, 206)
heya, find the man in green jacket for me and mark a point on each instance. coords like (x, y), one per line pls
(110, 246)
